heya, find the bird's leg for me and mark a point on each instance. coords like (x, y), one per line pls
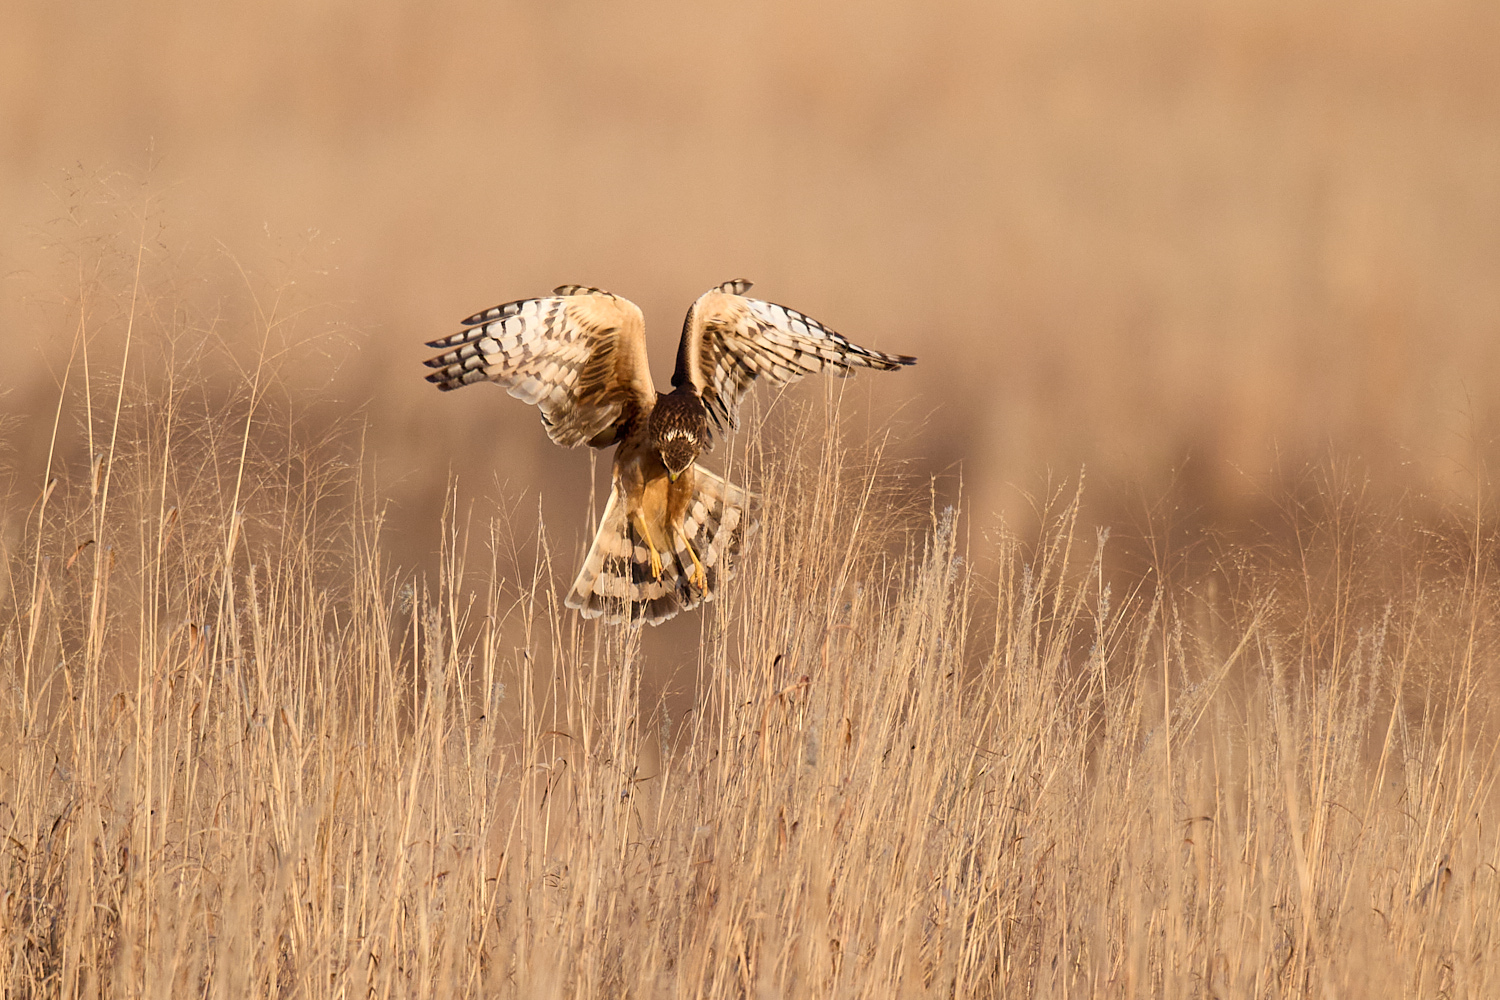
(640, 522)
(699, 578)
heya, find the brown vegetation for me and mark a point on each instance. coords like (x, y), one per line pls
(248, 756)
(1172, 242)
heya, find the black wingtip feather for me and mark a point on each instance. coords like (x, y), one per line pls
(493, 313)
(889, 362)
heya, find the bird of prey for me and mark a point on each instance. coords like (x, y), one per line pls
(670, 527)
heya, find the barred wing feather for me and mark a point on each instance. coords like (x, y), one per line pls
(729, 341)
(579, 356)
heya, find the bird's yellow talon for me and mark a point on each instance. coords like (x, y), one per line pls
(699, 578)
(656, 565)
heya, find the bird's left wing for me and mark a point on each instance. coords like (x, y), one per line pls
(579, 355)
(728, 341)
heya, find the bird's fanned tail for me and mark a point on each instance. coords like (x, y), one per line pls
(617, 581)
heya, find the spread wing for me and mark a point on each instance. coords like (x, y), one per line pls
(579, 355)
(728, 341)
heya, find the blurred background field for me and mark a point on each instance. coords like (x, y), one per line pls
(1182, 244)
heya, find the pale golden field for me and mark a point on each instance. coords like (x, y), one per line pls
(1142, 641)
(249, 756)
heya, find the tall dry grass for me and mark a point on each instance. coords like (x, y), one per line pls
(246, 756)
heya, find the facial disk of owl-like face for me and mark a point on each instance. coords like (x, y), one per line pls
(678, 449)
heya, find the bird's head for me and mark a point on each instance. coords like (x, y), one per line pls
(678, 450)
(679, 427)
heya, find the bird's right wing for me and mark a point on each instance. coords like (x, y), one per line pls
(579, 355)
(729, 340)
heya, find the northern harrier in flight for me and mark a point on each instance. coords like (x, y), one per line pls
(670, 526)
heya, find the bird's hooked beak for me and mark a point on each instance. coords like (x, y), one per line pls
(672, 476)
